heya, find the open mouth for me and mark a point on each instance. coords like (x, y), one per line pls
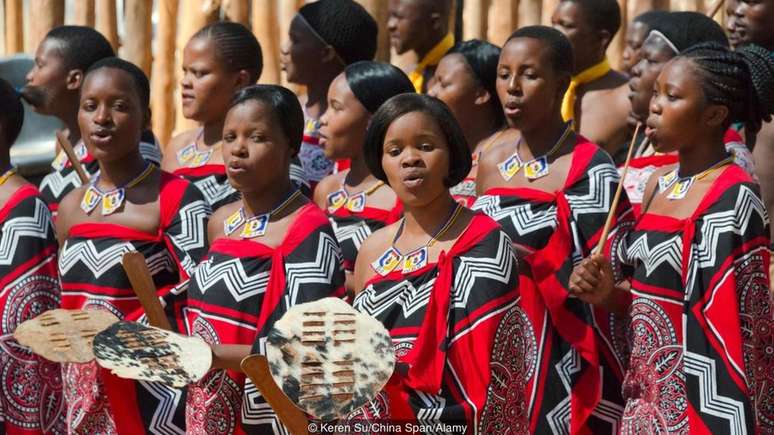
(101, 137)
(413, 179)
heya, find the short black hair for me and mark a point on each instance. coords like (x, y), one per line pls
(140, 80)
(742, 80)
(236, 46)
(460, 160)
(562, 58)
(12, 115)
(601, 14)
(283, 103)
(649, 18)
(373, 83)
(80, 46)
(344, 25)
(482, 57)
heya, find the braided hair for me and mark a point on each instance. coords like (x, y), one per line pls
(236, 46)
(742, 80)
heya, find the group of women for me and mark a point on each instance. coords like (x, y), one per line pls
(474, 223)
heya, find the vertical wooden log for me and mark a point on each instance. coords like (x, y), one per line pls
(503, 20)
(380, 11)
(639, 6)
(84, 13)
(137, 44)
(237, 11)
(163, 77)
(195, 14)
(530, 12)
(548, 10)
(475, 23)
(687, 5)
(48, 14)
(265, 28)
(14, 27)
(107, 22)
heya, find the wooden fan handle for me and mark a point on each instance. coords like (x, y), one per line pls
(142, 283)
(617, 197)
(67, 147)
(256, 367)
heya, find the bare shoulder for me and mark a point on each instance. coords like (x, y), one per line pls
(500, 150)
(370, 250)
(169, 162)
(329, 184)
(652, 183)
(215, 225)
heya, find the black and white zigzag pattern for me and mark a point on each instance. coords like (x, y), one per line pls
(710, 402)
(320, 271)
(403, 294)
(559, 417)
(58, 184)
(213, 190)
(162, 422)
(150, 152)
(193, 230)
(233, 276)
(98, 262)
(255, 411)
(38, 226)
(473, 270)
(522, 217)
(357, 232)
(601, 185)
(667, 252)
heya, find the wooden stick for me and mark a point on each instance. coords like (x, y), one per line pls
(715, 8)
(256, 367)
(617, 197)
(67, 147)
(142, 283)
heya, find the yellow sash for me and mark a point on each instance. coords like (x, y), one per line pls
(431, 58)
(586, 76)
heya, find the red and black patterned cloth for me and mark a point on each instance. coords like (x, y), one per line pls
(236, 295)
(567, 367)
(352, 228)
(31, 399)
(445, 319)
(92, 277)
(702, 334)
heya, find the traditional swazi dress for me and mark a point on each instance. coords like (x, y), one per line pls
(93, 278)
(571, 366)
(237, 293)
(353, 221)
(212, 180)
(446, 319)
(701, 327)
(31, 399)
(64, 179)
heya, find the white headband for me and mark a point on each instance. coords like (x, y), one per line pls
(656, 33)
